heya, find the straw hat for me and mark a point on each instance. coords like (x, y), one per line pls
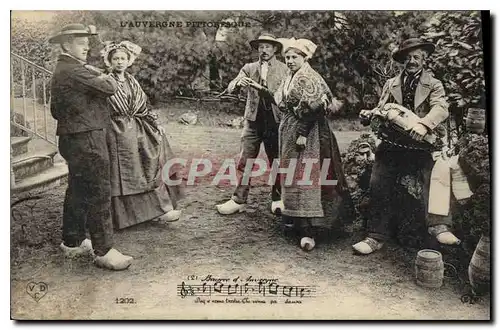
(266, 37)
(73, 29)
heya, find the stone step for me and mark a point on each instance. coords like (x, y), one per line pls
(33, 162)
(47, 179)
(19, 144)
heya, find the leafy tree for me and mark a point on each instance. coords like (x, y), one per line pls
(458, 59)
(353, 55)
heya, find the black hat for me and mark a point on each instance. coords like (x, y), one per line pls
(408, 45)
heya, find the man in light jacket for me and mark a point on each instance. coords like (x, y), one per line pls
(396, 167)
(261, 119)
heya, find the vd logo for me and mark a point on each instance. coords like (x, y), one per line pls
(37, 290)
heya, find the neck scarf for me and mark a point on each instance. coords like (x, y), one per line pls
(411, 79)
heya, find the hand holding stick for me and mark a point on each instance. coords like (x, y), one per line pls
(244, 82)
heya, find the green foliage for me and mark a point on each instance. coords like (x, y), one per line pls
(472, 218)
(353, 55)
(474, 159)
(30, 40)
(458, 60)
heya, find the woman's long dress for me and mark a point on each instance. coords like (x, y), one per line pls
(316, 204)
(137, 151)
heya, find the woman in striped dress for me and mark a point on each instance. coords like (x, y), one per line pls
(138, 148)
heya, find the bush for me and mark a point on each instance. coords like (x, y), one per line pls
(474, 217)
(30, 40)
(353, 52)
(471, 218)
(458, 59)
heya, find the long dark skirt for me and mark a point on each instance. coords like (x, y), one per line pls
(131, 210)
(321, 206)
(137, 155)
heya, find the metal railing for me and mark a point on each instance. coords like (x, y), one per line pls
(30, 99)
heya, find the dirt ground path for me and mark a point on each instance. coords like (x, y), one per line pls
(204, 243)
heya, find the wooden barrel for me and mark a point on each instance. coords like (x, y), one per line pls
(429, 269)
(479, 267)
(476, 120)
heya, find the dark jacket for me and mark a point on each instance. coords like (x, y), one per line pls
(78, 100)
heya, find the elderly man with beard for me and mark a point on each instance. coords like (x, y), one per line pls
(261, 119)
(397, 167)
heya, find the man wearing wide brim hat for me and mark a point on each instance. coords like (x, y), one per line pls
(400, 53)
(73, 30)
(79, 104)
(269, 39)
(261, 118)
(398, 168)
